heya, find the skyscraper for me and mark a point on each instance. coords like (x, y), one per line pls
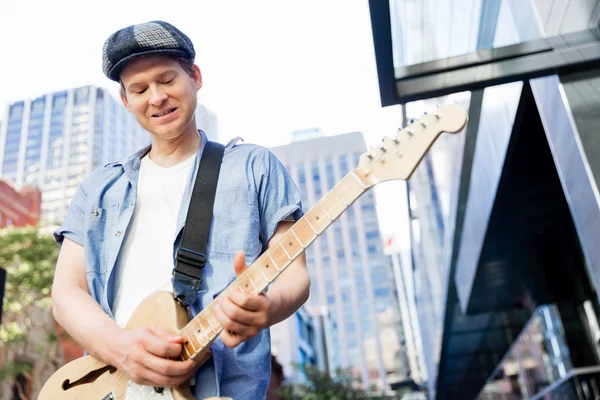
(351, 275)
(52, 142)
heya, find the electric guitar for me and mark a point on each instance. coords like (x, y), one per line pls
(396, 158)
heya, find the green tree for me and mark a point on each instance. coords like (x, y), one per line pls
(320, 385)
(29, 258)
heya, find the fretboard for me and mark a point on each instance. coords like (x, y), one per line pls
(203, 329)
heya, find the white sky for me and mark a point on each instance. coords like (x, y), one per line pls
(269, 66)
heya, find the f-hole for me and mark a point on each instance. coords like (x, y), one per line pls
(89, 378)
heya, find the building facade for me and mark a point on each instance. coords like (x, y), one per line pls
(19, 208)
(413, 366)
(294, 343)
(54, 141)
(504, 215)
(351, 275)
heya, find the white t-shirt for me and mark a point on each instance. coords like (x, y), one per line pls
(145, 263)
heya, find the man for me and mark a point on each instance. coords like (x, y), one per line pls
(125, 224)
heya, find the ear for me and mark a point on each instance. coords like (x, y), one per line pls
(125, 102)
(197, 77)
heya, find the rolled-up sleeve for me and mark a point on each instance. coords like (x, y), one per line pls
(279, 197)
(73, 225)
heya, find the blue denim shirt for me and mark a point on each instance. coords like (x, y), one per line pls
(254, 194)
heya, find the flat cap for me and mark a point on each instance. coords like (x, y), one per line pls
(155, 37)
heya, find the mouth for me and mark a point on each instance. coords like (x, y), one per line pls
(162, 114)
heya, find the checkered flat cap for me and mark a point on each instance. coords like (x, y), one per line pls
(155, 37)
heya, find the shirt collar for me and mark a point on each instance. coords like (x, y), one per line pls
(131, 164)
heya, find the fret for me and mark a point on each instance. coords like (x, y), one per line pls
(257, 277)
(279, 257)
(284, 250)
(190, 340)
(260, 268)
(303, 229)
(325, 211)
(205, 325)
(317, 219)
(239, 285)
(187, 351)
(200, 333)
(291, 244)
(208, 319)
(274, 263)
(335, 190)
(266, 265)
(256, 291)
(245, 284)
(297, 238)
(332, 205)
(360, 182)
(311, 227)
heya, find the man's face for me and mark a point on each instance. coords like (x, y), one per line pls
(161, 95)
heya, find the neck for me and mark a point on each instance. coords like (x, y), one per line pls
(167, 153)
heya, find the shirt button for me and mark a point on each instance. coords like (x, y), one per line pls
(118, 233)
(95, 213)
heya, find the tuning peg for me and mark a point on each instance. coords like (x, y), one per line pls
(383, 149)
(410, 121)
(423, 124)
(410, 132)
(396, 141)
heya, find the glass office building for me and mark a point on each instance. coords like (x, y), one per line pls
(504, 215)
(351, 275)
(54, 141)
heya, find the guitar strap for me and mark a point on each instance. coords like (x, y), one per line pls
(191, 255)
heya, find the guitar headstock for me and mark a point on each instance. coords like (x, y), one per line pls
(398, 156)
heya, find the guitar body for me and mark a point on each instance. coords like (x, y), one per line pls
(89, 378)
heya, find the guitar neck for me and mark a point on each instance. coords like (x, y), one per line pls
(203, 329)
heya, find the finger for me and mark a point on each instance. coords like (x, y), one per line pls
(229, 339)
(239, 263)
(240, 315)
(169, 368)
(249, 302)
(161, 333)
(160, 347)
(148, 377)
(229, 324)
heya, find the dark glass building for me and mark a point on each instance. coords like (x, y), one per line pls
(505, 215)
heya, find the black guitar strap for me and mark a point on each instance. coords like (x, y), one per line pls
(191, 256)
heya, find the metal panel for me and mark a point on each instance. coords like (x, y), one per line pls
(488, 162)
(382, 42)
(572, 59)
(572, 163)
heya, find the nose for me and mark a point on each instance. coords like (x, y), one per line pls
(157, 96)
